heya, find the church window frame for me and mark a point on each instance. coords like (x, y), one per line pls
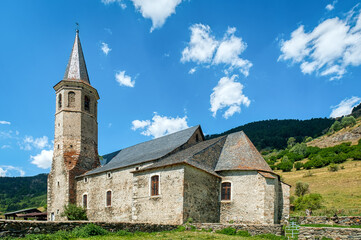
(85, 201)
(108, 198)
(71, 99)
(60, 101)
(87, 103)
(226, 191)
(154, 185)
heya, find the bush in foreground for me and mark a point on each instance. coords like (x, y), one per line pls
(73, 212)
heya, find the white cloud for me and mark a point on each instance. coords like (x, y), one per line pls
(344, 107)
(43, 159)
(228, 94)
(157, 10)
(120, 2)
(328, 49)
(160, 125)
(229, 50)
(192, 70)
(124, 80)
(105, 48)
(29, 142)
(331, 6)
(5, 122)
(6, 170)
(203, 48)
(202, 45)
(5, 146)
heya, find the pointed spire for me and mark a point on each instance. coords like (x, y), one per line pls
(76, 69)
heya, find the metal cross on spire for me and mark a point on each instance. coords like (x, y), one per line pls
(77, 27)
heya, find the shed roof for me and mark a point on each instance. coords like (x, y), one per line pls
(239, 153)
(27, 210)
(147, 151)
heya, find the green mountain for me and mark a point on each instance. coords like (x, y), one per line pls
(275, 133)
(22, 192)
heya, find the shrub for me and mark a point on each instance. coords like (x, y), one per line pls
(271, 237)
(286, 165)
(299, 148)
(180, 229)
(88, 230)
(348, 121)
(336, 126)
(309, 201)
(291, 142)
(308, 139)
(227, 231)
(333, 167)
(301, 189)
(298, 165)
(243, 233)
(73, 212)
(308, 165)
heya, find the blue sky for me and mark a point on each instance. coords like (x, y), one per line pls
(163, 65)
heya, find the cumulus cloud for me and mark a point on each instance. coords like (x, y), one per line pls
(328, 49)
(160, 125)
(29, 142)
(105, 48)
(120, 2)
(43, 159)
(124, 80)
(344, 107)
(6, 170)
(5, 146)
(228, 94)
(5, 122)
(203, 48)
(157, 10)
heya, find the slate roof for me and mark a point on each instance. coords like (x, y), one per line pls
(147, 151)
(203, 155)
(76, 69)
(239, 153)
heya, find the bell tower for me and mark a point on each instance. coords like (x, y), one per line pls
(76, 133)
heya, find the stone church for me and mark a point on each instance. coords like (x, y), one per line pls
(166, 180)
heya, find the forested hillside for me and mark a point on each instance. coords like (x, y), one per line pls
(274, 134)
(22, 192)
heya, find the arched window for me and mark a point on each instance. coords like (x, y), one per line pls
(59, 101)
(86, 103)
(85, 201)
(109, 198)
(154, 191)
(226, 191)
(71, 99)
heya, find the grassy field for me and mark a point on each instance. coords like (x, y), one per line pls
(340, 190)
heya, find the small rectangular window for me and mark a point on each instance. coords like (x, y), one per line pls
(154, 186)
(85, 179)
(85, 201)
(226, 191)
(109, 198)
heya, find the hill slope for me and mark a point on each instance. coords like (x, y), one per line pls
(22, 192)
(275, 133)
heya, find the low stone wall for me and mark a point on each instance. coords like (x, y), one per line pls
(343, 221)
(20, 228)
(312, 233)
(253, 229)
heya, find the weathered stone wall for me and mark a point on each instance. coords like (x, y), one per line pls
(120, 184)
(201, 196)
(167, 207)
(342, 220)
(313, 233)
(253, 229)
(285, 203)
(21, 228)
(75, 144)
(247, 198)
(270, 198)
